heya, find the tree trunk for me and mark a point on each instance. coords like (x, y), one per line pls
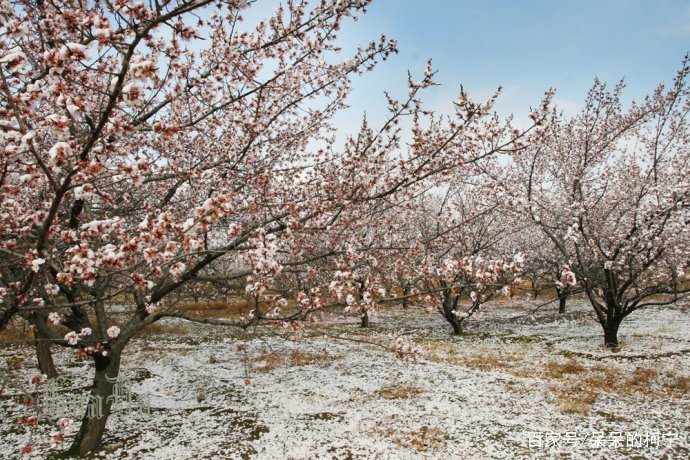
(452, 318)
(450, 304)
(93, 424)
(361, 284)
(457, 326)
(562, 299)
(44, 356)
(561, 303)
(406, 291)
(611, 332)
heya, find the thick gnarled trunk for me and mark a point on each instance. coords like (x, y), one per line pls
(93, 424)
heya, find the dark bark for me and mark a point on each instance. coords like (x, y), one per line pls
(361, 285)
(561, 303)
(92, 427)
(450, 306)
(457, 325)
(44, 355)
(562, 298)
(611, 331)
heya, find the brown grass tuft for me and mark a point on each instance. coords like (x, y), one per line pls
(576, 404)
(399, 392)
(16, 330)
(679, 385)
(485, 362)
(556, 370)
(423, 439)
(230, 308)
(642, 377)
(268, 361)
(159, 328)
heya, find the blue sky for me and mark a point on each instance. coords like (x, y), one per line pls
(525, 46)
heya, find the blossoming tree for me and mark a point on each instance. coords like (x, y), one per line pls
(610, 188)
(464, 263)
(544, 266)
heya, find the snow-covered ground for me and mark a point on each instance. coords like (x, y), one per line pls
(515, 385)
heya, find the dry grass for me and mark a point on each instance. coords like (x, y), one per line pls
(577, 390)
(577, 394)
(14, 363)
(599, 378)
(16, 330)
(230, 308)
(437, 349)
(578, 383)
(423, 439)
(556, 370)
(575, 384)
(643, 380)
(678, 386)
(399, 392)
(486, 362)
(160, 328)
(481, 359)
(269, 361)
(572, 393)
(577, 404)
(642, 377)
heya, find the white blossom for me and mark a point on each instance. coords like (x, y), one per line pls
(113, 332)
(36, 263)
(54, 318)
(72, 338)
